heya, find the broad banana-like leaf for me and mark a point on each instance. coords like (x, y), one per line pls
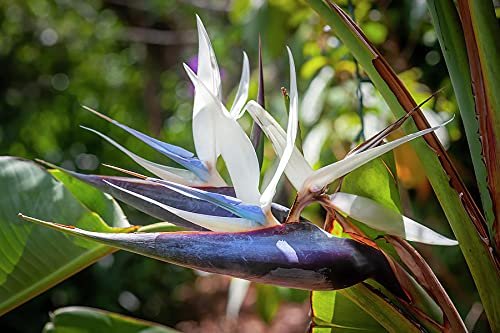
(34, 259)
(297, 255)
(89, 320)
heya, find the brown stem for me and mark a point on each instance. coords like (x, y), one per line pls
(428, 280)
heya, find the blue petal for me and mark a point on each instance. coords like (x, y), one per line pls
(231, 204)
(178, 154)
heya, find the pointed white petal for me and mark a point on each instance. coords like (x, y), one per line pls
(203, 119)
(293, 123)
(208, 69)
(214, 223)
(234, 146)
(327, 174)
(180, 176)
(378, 217)
(297, 169)
(242, 93)
(238, 289)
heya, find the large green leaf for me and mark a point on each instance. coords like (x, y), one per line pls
(333, 312)
(77, 319)
(451, 39)
(34, 258)
(93, 199)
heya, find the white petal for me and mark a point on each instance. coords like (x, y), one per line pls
(313, 100)
(378, 217)
(203, 119)
(234, 146)
(176, 175)
(297, 169)
(208, 69)
(238, 289)
(242, 93)
(293, 123)
(327, 174)
(214, 223)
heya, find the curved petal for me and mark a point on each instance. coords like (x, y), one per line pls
(327, 174)
(238, 290)
(297, 169)
(210, 222)
(165, 172)
(231, 204)
(208, 69)
(378, 217)
(204, 135)
(293, 123)
(233, 144)
(178, 154)
(242, 92)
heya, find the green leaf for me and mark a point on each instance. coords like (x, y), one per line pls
(451, 39)
(95, 200)
(34, 258)
(333, 312)
(268, 301)
(77, 319)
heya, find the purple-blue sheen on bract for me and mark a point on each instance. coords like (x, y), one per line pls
(230, 203)
(297, 255)
(178, 154)
(165, 196)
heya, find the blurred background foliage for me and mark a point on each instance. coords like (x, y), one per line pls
(124, 59)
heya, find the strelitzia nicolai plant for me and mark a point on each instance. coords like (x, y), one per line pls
(240, 231)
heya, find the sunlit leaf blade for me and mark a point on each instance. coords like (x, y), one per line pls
(293, 124)
(177, 154)
(482, 39)
(85, 320)
(450, 34)
(297, 169)
(229, 203)
(381, 218)
(95, 200)
(242, 92)
(35, 259)
(210, 222)
(298, 255)
(332, 312)
(165, 172)
(233, 145)
(327, 174)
